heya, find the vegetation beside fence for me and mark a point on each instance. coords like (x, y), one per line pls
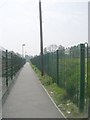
(68, 69)
(59, 95)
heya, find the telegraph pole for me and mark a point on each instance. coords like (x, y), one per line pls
(41, 39)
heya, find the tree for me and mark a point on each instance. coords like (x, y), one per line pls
(52, 48)
(45, 50)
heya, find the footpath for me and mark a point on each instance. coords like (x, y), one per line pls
(28, 99)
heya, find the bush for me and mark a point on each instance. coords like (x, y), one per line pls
(46, 80)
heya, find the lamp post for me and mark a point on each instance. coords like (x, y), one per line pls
(23, 50)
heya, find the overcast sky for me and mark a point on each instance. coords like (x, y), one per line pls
(64, 23)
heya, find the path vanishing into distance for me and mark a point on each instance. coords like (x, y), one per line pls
(28, 99)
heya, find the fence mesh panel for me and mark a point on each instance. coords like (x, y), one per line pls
(64, 66)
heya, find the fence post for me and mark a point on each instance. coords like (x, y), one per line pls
(88, 81)
(82, 76)
(11, 66)
(57, 68)
(47, 63)
(6, 67)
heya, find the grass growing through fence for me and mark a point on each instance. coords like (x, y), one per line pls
(89, 77)
(59, 95)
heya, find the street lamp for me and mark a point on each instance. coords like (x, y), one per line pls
(23, 50)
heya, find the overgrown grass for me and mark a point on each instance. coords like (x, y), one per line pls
(59, 95)
(89, 77)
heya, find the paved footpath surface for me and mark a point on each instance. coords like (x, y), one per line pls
(28, 99)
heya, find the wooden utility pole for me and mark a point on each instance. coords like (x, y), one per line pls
(41, 39)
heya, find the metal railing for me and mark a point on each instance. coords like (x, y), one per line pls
(68, 68)
(11, 64)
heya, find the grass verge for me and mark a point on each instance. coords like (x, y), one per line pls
(59, 95)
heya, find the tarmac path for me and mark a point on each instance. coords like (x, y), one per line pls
(28, 99)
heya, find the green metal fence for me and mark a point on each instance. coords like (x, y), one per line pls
(89, 81)
(68, 68)
(11, 64)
